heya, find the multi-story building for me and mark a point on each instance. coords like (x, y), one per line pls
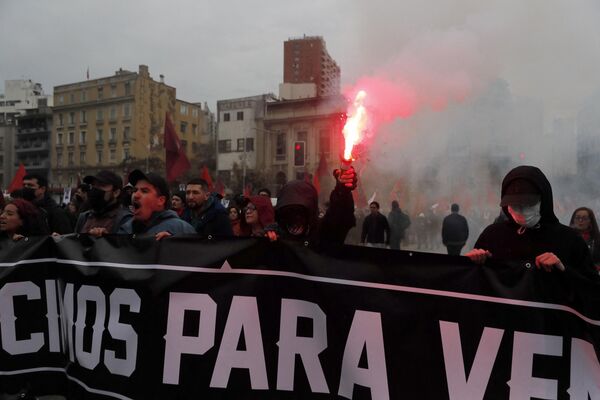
(117, 123)
(8, 133)
(315, 124)
(32, 144)
(306, 60)
(21, 95)
(240, 132)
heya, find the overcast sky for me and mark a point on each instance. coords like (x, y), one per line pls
(547, 49)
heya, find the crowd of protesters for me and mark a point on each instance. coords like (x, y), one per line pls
(526, 226)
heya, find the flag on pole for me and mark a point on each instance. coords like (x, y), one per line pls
(87, 73)
(219, 187)
(177, 162)
(372, 199)
(205, 174)
(17, 181)
(248, 190)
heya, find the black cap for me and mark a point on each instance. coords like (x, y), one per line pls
(155, 180)
(520, 192)
(106, 177)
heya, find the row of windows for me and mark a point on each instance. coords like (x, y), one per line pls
(83, 115)
(225, 145)
(281, 143)
(112, 157)
(112, 136)
(239, 116)
(183, 110)
(83, 95)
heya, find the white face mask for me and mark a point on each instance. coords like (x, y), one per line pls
(527, 216)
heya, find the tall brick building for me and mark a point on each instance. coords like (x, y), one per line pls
(306, 60)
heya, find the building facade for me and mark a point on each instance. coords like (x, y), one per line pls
(32, 143)
(117, 123)
(316, 123)
(19, 96)
(306, 60)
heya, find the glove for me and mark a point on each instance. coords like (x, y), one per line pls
(347, 179)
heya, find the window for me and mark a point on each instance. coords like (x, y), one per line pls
(224, 146)
(324, 142)
(70, 161)
(127, 88)
(113, 113)
(240, 145)
(82, 117)
(126, 154)
(72, 98)
(240, 115)
(113, 155)
(59, 160)
(183, 109)
(301, 136)
(226, 117)
(61, 99)
(99, 135)
(249, 144)
(60, 120)
(126, 133)
(195, 129)
(280, 147)
(71, 118)
(100, 93)
(183, 127)
(83, 96)
(82, 157)
(82, 137)
(194, 112)
(71, 138)
(59, 138)
(113, 135)
(99, 115)
(113, 91)
(127, 110)
(99, 156)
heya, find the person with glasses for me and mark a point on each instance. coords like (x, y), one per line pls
(584, 222)
(257, 215)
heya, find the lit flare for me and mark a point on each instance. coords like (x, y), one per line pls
(355, 125)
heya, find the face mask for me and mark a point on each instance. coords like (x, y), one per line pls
(97, 199)
(28, 194)
(527, 217)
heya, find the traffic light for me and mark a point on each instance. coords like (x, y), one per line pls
(299, 153)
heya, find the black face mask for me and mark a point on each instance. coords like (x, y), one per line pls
(97, 200)
(28, 194)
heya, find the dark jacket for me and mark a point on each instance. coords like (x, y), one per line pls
(332, 229)
(506, 244)
(213, 218)
(375, 229)
(58, 220)
(164, 221)
(113, 217)
(455, 230)
(398, 222)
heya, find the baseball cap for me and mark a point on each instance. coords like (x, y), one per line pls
(106, 177)
(154, 179)
(520, 192)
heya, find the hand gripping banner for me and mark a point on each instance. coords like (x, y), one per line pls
(189, 318)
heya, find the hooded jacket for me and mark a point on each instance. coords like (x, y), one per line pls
(334, 226)
(266, 214)
(509, 244)
(164, 221)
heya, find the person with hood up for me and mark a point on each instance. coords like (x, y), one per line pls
(532, 234)
(296, 212)
(257, 215)
(584, 222)
(151, 214)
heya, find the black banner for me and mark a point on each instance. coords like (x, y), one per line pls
(187, 318)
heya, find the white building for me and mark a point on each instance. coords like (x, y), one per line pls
(19, 96)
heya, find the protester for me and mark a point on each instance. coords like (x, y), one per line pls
(20, 219)
(584, 222)
(106, 214)
(178, 202)
(455, 231)
(125, 197)
(296, 212)
(151, 214)
(35, 190)
(72, 213)
(532, 234)
(81, 198)
(234, 218)
(375, 229)
(264, 192)
(258, 214)
(398, 222)
(204, 210)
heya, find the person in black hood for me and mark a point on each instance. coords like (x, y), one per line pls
(297, 211)
(532, 234)
(35, 190)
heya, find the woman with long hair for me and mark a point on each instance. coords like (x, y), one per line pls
(20, 218)
(584, 222)
(235, 219)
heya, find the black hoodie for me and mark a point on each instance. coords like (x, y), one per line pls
(506, 244)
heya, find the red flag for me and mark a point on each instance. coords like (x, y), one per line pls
(17, 181)
(205, 174)
(219, 187)
(176, 160)
(317, 183)
(248, 190)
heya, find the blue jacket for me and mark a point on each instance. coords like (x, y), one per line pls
(164, 221)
